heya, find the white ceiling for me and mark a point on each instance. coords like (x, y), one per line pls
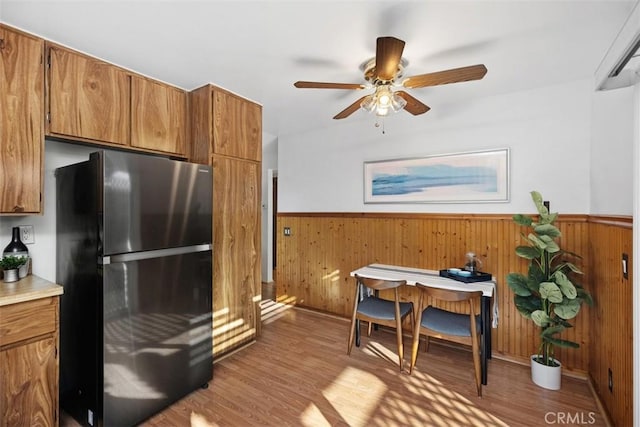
(258, 49)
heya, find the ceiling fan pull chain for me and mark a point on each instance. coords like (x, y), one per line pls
(377, 124)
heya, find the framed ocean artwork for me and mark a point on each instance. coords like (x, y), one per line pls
(479, 176)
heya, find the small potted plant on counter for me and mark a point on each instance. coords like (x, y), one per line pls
(547, 294)
(10, 265)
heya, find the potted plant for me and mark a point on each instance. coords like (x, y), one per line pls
(547, 294)
(10, 265)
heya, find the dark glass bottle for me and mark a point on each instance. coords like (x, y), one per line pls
(16, 247)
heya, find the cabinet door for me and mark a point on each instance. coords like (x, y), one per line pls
(237, 127)
(21, 121)
(89, 99)
(236, 252)
(29, 384)
(159, 116)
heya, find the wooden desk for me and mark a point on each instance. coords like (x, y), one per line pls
(432, 278)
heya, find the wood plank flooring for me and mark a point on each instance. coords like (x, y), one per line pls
(298, 374)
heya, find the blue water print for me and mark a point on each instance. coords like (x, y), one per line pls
(417, 179)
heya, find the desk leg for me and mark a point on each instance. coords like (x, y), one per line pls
(485, 338)
(487, 318)
(357, 326)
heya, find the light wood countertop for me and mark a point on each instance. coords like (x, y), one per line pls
(27, 289)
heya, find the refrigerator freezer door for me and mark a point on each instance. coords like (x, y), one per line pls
(153, 202)
(157, 334)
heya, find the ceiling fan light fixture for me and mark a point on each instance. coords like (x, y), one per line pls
(368, 104)
(383, 101)
(383, 93)
(397, 102)
(382, 111)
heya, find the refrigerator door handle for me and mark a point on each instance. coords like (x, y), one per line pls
(158, 253)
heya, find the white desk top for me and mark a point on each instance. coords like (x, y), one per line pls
(429, 278)
(426, 277)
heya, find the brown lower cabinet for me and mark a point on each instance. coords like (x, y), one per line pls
(29, 363)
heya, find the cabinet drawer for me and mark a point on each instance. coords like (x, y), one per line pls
(26, 320)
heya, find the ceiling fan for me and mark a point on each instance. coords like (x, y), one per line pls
(384, 74)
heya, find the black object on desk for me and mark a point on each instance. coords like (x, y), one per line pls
(477, 276)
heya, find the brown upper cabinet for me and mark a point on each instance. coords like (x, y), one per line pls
(21, 121)
(226, 124)
(92, 100)
(88, 98)
(159, 116)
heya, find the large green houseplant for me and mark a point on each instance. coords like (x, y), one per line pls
(548, 293)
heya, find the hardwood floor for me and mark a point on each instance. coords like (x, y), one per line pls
(298, 373)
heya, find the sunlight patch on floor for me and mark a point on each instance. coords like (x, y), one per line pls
(367, 384)
(198, 420)
(272, 311)
(374, 348)
(448, 407)
(312, 417)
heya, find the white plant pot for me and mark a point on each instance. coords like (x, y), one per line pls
(24, 269)
(548, 377)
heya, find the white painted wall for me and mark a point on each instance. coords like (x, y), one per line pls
(611, 152)
(43, 251)
(548, 131)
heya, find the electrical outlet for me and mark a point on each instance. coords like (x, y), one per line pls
(287, 231)
(26, 234)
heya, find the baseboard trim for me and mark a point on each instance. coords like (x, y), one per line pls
(599, 404)
(232, 352)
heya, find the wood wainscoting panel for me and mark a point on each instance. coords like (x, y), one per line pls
(314, 262)
(611, 316)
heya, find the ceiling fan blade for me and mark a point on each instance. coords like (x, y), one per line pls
(413, 106)
(388, 56)
(322, 85)
(350, 109)
(455, 75)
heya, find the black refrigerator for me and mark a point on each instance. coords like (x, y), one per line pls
(134, 256)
